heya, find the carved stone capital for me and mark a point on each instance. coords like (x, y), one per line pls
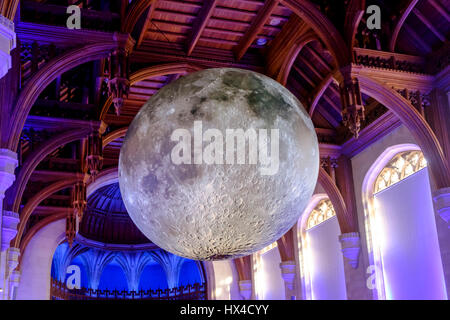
(441, 200)
(350, 244)
(10, 220)
(8, 163)
(12, 259)
(7, 44)
(245, 289)
(288, 273)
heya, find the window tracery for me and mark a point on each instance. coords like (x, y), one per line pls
(400, 167)
(322, 212)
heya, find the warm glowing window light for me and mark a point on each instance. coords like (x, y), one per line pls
(322, 212)
(401, 166)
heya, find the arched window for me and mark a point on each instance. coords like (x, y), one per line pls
(320, 256)
(322, 212)
(400, 227)
(400, 167)
(269, 284)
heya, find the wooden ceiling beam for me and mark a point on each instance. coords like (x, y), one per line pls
(255, 28)
(331, 103)
(428, 24)
(440, 9)
(147, 22)
(327, 116)
(318, 92)
(320, 58)
(411, 4)
(304, 76)
(311, 67)
(417, 38)
(200, 24)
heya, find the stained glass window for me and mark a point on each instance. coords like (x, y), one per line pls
(401, 166)
(322, 212)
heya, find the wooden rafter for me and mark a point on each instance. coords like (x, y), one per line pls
(317, 94)
(440, 9)
(311, 67)
(417, 38)
(401, 21)
(200, 24)
(258, 24)
(147, 22)
(320, 58)
(324, 112)
(354, 13)
(304, 76)
(429, 25)
(134, 11)
(331, 103)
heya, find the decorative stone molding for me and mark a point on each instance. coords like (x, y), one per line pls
(8, 163)
(351, 100)
(12, 259)
(442, 203)
(7, 44)
(288, 273)
(245, 289)
(350, 243)
(10, 220)
(14, 280)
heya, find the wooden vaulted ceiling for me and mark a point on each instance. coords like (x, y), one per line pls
(236, 33)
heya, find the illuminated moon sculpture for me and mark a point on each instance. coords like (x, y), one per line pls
(218, 164)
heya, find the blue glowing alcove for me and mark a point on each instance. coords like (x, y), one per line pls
(113, 278)
(153, 277)
(189, 273)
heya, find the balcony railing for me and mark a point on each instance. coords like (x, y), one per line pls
(59, 291)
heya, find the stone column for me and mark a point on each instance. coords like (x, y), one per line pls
(12, 276)
(355, 275)
(288, 274)
(441, 199)
(245, 289)
(8, 220)
(7, 44)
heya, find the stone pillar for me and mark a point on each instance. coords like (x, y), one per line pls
(7, 44)
(288, 274)
(355, 275)
(441, 200)
(245, 289)
(12, 276)
(8, 220)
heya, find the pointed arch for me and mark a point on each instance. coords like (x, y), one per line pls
(44, 78)
(155, 71)
(416, 124)
(134, 12)
(345, 219)
(323, 27)
(292, 54)
(38, 198)
(18, 188)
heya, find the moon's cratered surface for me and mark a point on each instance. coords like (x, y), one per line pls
(211, 210)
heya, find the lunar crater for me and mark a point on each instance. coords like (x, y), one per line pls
(217, 211)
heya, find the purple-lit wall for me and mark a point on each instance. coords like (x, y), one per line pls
(325, 262)
(410, 254)
(273, 286)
